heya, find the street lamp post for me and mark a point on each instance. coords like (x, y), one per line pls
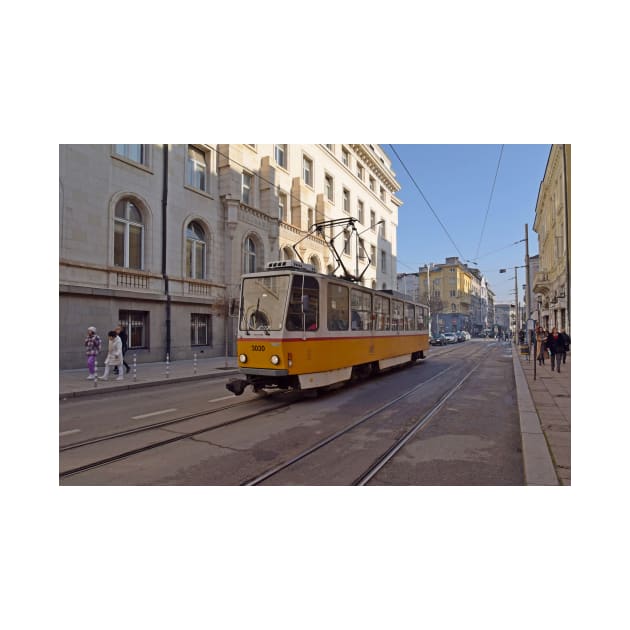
(429, 294)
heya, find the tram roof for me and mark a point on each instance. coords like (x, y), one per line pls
(295, 266)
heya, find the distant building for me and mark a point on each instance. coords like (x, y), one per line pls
(503, 313)
(409, 284)
(458, 295)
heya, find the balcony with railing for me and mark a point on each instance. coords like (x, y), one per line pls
(541, 282)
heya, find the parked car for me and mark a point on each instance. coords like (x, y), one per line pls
(460, 336)
(451, 337)
(440, 340)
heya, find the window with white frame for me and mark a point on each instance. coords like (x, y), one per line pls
(128, 235)
(200, 329)
(196, 169)
(280, 153)
(373, 220)
(246, 188)
(360, 171)
(346, 242)
(250, 254)
(360, 211)
(307, 170)
(310, 215)
(361, 249)
(346, 200)
(373, 255)
(330, 187)
(195, 251)
(282, 207)
(383, 197)
(345, 157)
(383, 261)
(372, 184)
(133, 152)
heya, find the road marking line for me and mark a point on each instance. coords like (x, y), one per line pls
(70, 432)
(154, 413)
(222, 398)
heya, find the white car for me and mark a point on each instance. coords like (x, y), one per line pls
(450, 337)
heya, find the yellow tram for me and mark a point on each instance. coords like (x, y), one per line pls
(299, 329)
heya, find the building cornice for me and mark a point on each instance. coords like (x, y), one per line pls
(384, 174)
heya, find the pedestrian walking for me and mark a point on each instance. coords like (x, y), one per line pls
(92, 348)
(567, 344)
(114, 355)
(555, 344)
(541, 345)
(122, 333)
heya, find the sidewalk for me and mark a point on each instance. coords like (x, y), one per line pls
(75, 383)
(545, 410)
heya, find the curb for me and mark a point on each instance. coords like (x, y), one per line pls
(180, 379)
(537, 462)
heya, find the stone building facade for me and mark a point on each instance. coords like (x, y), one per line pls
(459, 296)
(552, 282)
(157, 236)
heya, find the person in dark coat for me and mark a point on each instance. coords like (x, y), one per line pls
(567, 345)
(122, 333)
(555, 345)
(541, 341)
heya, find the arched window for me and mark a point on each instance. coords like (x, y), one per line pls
(195, 251)
(314, 260)
(287, 253)
(249, 262)
(128, 235)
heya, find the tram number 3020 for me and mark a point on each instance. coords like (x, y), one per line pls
(258, 348)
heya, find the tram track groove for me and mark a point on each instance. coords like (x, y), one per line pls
(341, 432)
(183, 436)
(155, 425)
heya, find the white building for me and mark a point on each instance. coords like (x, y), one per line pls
(158, 235)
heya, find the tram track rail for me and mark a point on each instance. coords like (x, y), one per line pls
(166, 424)
(389, 453)
(163, 442)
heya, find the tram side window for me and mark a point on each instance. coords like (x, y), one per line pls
(420, 315)
(410, 318)
(381, 313)
(303, 311)
(397, 315)
(337, 307)
(361, 303)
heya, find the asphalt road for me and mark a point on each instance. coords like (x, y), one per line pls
(473, 439)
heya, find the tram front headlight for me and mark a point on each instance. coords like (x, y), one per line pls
(242, 358)
(275, 359)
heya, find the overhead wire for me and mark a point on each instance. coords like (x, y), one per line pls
(426, 201)
(483, 227)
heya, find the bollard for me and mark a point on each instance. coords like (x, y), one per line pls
(167, 364)
(135, 372)
(95, 372)
(195, 363)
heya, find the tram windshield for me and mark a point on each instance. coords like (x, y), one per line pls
(263, 303)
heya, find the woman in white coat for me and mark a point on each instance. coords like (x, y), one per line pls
(114, 355)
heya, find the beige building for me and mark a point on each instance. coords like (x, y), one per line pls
(552, 282)
(157, 236)
(459, 296)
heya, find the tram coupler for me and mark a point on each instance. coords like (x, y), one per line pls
(237, 385)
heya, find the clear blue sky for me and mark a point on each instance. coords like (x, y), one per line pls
(457, 181)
